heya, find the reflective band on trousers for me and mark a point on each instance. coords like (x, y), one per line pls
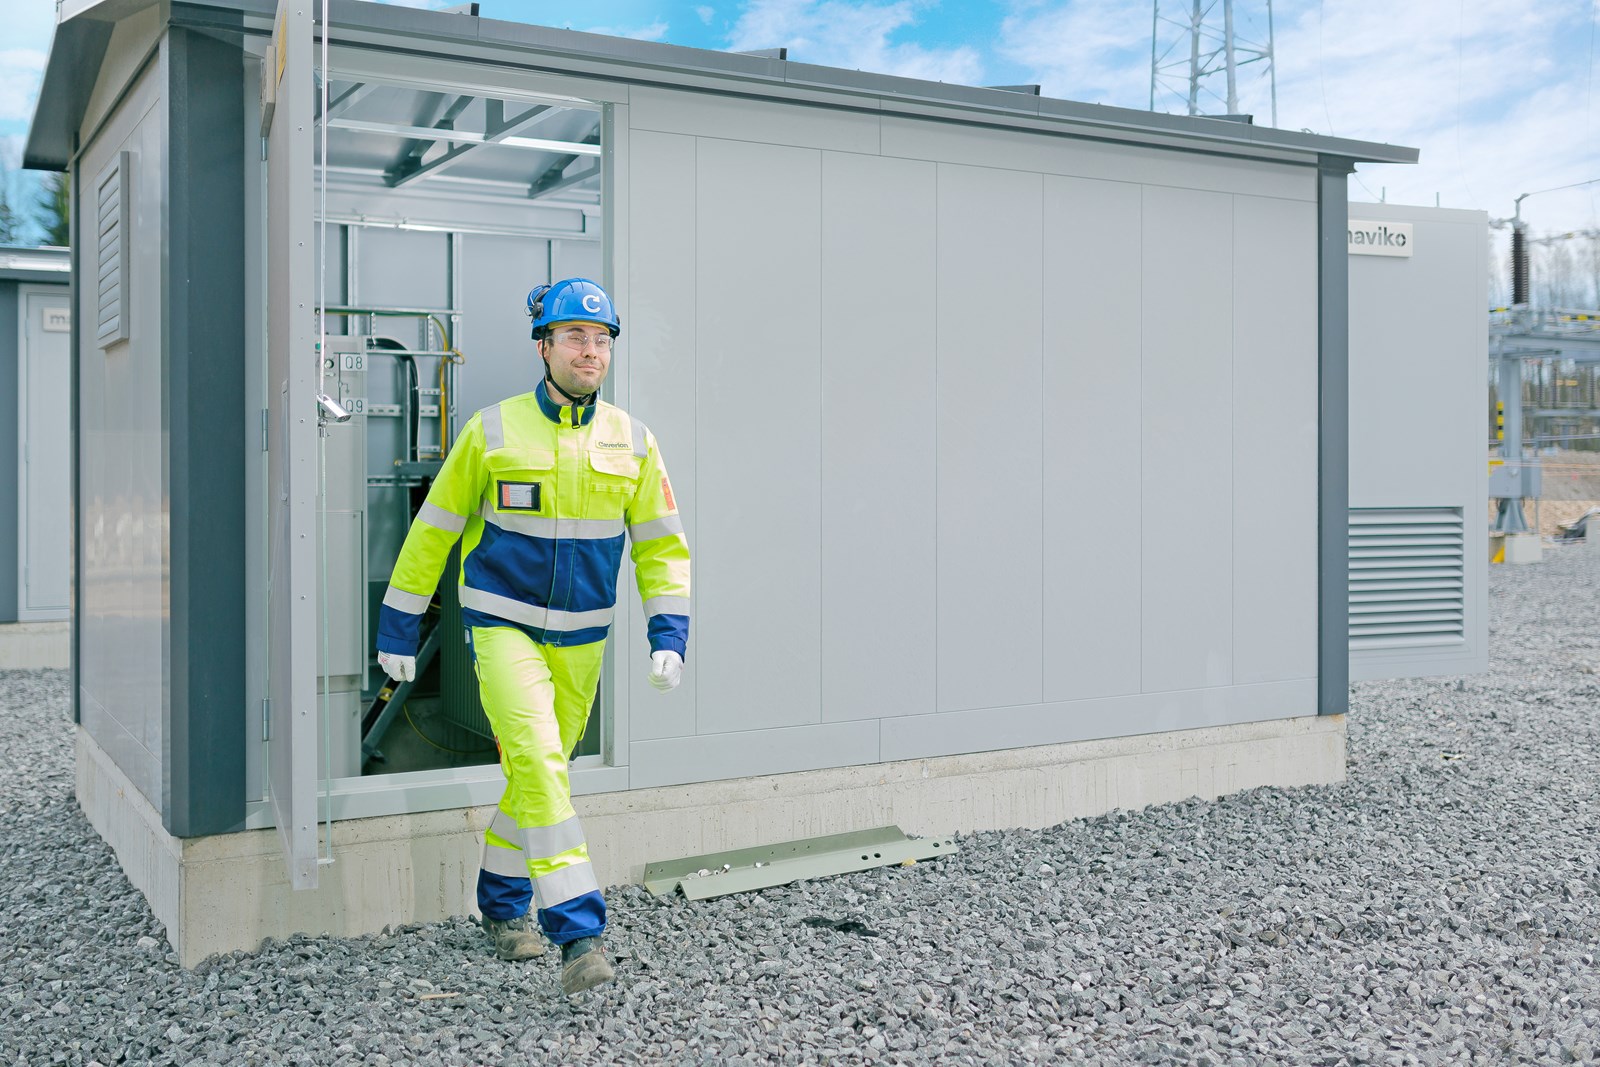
(664, 605)
(540, 842)
(435, 516)
(641, 443)
(565, 884)
(533, 615)
(539, 526)
(494, 433)
(410, 603)
(506, 862)
(649, 531)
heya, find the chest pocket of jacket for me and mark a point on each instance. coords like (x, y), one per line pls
(612, 479)
(521, 480)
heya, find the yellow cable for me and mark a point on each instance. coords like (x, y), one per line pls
(435, 744)
(444, 390)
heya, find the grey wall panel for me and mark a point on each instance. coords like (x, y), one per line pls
(758, 372)
(122, 502)
(577, 259)
(657, 356)
(990, 438)
(679, 760)
(1057, 722)
(496, 275)
(1187, 527)
(1412, 439)
(742, 119)
(9, 454)
(977, 145)
(1092, 500)
(403, 268)
(878, 477)
(1274, 439)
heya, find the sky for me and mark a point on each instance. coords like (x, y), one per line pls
(1500, 96)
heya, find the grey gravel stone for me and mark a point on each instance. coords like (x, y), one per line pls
(1441, 906)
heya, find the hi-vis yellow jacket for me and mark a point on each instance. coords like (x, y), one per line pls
(543, 500)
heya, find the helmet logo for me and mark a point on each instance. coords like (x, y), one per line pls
(591, 304)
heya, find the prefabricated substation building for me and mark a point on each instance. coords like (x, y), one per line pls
(1010, 436)
(35, 361)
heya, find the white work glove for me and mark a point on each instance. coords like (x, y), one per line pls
(399, 668)
(666, 669)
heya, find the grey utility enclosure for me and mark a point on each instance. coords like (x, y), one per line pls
(995, 421)
(35, 375)
(1418, 482)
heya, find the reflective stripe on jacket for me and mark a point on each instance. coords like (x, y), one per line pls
(542, 507)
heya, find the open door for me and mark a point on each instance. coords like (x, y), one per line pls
(293, 727)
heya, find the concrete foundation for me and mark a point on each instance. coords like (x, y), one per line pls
(217, 894)
(30, 645)
(1523, 548)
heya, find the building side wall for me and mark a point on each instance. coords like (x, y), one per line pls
(1418, 394)
(122, 510)
(10, 453)
(971, 433)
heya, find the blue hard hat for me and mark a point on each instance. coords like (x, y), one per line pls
(571, 300)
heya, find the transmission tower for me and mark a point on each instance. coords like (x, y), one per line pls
(1189, 51)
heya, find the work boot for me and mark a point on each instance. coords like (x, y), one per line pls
(584, 965)
(513, 938)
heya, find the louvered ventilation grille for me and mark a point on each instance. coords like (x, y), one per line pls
(111, 229)
(1406, 577)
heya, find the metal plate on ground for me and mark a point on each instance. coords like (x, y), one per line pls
(720, 873)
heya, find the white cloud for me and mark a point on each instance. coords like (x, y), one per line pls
(1487, 94)
(705, 13)
(21, 70)
(1086, 51)
(1496, 94)
(855, 36)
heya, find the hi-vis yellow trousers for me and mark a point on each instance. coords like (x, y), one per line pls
(537, 698)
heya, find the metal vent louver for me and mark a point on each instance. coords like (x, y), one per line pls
(111, 238)
(1407, 577)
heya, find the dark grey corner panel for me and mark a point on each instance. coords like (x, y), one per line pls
(203, 368)
(8, 450)
(1333, 438)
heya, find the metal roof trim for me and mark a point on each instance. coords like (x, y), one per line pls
(466, 37)
(44, 264)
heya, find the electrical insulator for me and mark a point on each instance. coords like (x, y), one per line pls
(1519, 265)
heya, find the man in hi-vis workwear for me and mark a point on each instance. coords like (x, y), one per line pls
(543, 487)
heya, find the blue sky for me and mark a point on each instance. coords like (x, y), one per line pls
(1500, 95)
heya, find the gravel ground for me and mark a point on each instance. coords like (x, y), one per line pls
(1441, 906)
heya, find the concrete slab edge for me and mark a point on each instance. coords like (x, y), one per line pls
(228, 892)
(35, 645)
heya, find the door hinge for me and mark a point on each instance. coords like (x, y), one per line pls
(266, 719)
(264, 424)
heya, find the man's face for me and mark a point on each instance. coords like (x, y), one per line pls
(579, 355)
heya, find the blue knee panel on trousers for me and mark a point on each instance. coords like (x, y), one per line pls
(501, 897)
(569, 920)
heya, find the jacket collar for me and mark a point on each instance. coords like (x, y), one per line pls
(561, 414)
